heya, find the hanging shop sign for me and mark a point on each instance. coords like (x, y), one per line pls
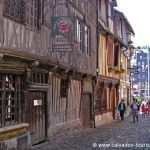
(63, 25)
(63, 31)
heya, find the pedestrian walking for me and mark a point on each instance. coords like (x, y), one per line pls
(122, 109)
(135, 108)
(143, 110)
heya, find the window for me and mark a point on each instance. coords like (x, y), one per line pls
(39, 77)
(110, 9)
(99, 8)
(116, 53)
(78, 30)
(14, 9)
(100, 104)
(32, 13)
(11, 96)
(83, 37)
(86, 40)
(63, 88)
(79, 35)
(139, 63)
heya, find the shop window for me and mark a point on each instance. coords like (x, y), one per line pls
(11, 98)
(100, 104)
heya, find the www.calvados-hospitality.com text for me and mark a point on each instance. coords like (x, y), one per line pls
(98, 145)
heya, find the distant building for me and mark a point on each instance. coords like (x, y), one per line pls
(140, 82)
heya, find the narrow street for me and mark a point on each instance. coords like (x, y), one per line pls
(67, 68)
(115, 135)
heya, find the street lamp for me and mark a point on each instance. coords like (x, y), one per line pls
(130, 52)
(132, 49)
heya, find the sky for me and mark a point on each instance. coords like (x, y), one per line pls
(137, 12)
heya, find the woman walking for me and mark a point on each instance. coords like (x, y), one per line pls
(122, 109)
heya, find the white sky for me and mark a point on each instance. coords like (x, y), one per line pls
(138, 14)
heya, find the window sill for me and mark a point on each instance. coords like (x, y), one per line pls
(12, 131)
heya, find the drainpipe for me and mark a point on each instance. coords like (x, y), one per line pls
(97, 36)
(94, 80)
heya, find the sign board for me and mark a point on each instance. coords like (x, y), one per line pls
(63, 25)
(132, 70)
(63, 31)
(37, 102)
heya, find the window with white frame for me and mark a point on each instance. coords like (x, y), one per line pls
(83, 37)
(78, 30)
(86, 39)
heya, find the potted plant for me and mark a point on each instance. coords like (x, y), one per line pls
(122, 70)
(109, 67)
(116, 70)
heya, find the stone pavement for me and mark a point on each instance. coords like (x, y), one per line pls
(115, 135)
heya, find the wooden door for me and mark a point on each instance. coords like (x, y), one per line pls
(86, 110)
(37, 111)
(113, 103)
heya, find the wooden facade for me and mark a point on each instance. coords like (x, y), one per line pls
(124, 31)
(50, 56)
(113, 75)
(52, 71)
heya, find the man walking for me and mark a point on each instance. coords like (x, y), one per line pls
(135, 108)
(122, 109)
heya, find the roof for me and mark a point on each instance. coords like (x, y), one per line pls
(125, 18)
(114, 3)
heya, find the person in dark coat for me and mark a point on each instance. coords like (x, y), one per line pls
(122, 109)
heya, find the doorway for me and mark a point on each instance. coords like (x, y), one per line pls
(37, 116)
(86, 110)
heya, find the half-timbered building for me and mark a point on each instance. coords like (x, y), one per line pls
(124, 32)
(113, 78)
(47, 69)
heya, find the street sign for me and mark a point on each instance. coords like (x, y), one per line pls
(132, 70)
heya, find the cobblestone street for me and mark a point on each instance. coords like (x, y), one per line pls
(128, 134)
